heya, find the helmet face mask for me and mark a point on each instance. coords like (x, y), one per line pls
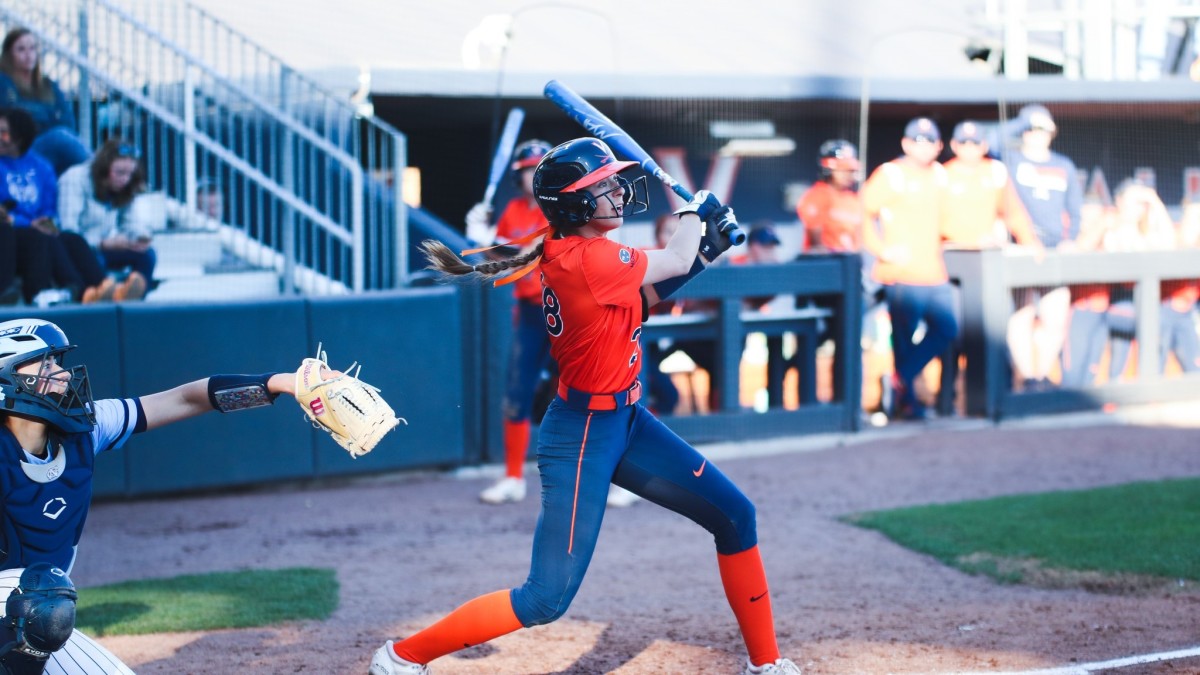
(562, 177)
(41, 392)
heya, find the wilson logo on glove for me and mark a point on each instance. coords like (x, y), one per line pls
(358, 416)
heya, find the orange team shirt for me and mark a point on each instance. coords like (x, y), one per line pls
(908, 201)
(593, 307)
(835, 215)
(521, 217)
(976, 196)
(1181, 293)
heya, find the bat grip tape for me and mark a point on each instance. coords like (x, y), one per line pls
(228, 393)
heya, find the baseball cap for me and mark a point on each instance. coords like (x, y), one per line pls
(763, 235)
(1037, 116)
(922, 129)
(968, 131)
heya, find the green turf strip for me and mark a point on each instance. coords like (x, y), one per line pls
(201, 602)
(1141, 529)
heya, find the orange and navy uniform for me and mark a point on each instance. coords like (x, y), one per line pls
(905, 198)
(593, 311)
(596, 433)
(831, 216)
(979, 194)
(522, 217)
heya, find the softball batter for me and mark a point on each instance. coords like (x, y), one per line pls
(595, 432)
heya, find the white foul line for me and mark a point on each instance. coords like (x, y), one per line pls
(1085, 668)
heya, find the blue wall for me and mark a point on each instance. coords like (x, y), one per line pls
(410, 343)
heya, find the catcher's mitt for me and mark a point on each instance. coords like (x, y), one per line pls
(351, 410)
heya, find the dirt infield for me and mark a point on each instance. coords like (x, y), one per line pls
(410, 547)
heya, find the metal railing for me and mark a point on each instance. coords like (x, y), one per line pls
(989, 277)
(311, 190)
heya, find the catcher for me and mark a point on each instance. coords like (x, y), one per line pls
(53, 431)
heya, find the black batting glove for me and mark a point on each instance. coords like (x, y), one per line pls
(717, 229)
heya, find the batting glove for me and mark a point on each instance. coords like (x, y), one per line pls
(703, 204)
(479, 227)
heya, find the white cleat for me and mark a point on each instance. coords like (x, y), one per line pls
(779, 667)
(506, 490)
(619, 497)
(385, 662)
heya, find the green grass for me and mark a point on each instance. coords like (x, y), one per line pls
(203, 602)
(1115, 538)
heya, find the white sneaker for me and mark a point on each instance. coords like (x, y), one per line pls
(385, 662)
(780, 667)
(620, 497)
(507, 489)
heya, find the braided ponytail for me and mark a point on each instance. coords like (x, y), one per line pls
(448, 264)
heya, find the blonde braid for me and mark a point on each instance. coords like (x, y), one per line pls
(449, 264)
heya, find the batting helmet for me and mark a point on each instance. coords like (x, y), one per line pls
(37, 395)
(563, 174)
(837, 155)
(529, 153)
(39, 618)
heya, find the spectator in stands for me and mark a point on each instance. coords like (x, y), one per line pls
(1050, 190)
(1138, 221)
(1179, 297)
(209, 200)
(45, 260)
(22, 84)
(98, 200)
(1087, 332)
(904, 204)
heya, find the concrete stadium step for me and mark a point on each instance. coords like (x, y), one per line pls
(216, 287)
(187, 250)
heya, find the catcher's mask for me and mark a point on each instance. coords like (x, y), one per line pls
(53, 393)
(561, 179)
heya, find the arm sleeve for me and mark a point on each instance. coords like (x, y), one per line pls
(615, 273)
(116, 421)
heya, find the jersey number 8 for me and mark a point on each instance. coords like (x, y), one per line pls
(551, 310)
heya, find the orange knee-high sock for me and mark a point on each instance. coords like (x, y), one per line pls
(516, 444)
(745, 584)
(484, 618)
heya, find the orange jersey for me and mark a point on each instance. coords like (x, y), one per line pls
(519, 218)
(977, 195)
(908, 201)
(832, 216)
(593, 307)
(1181, 293)
(1092, 297)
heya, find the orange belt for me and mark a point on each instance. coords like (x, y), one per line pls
(581, 400)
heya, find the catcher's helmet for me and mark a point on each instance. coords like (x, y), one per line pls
(563, 174)
(528, 154)
(837, 155)
(25, 341)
